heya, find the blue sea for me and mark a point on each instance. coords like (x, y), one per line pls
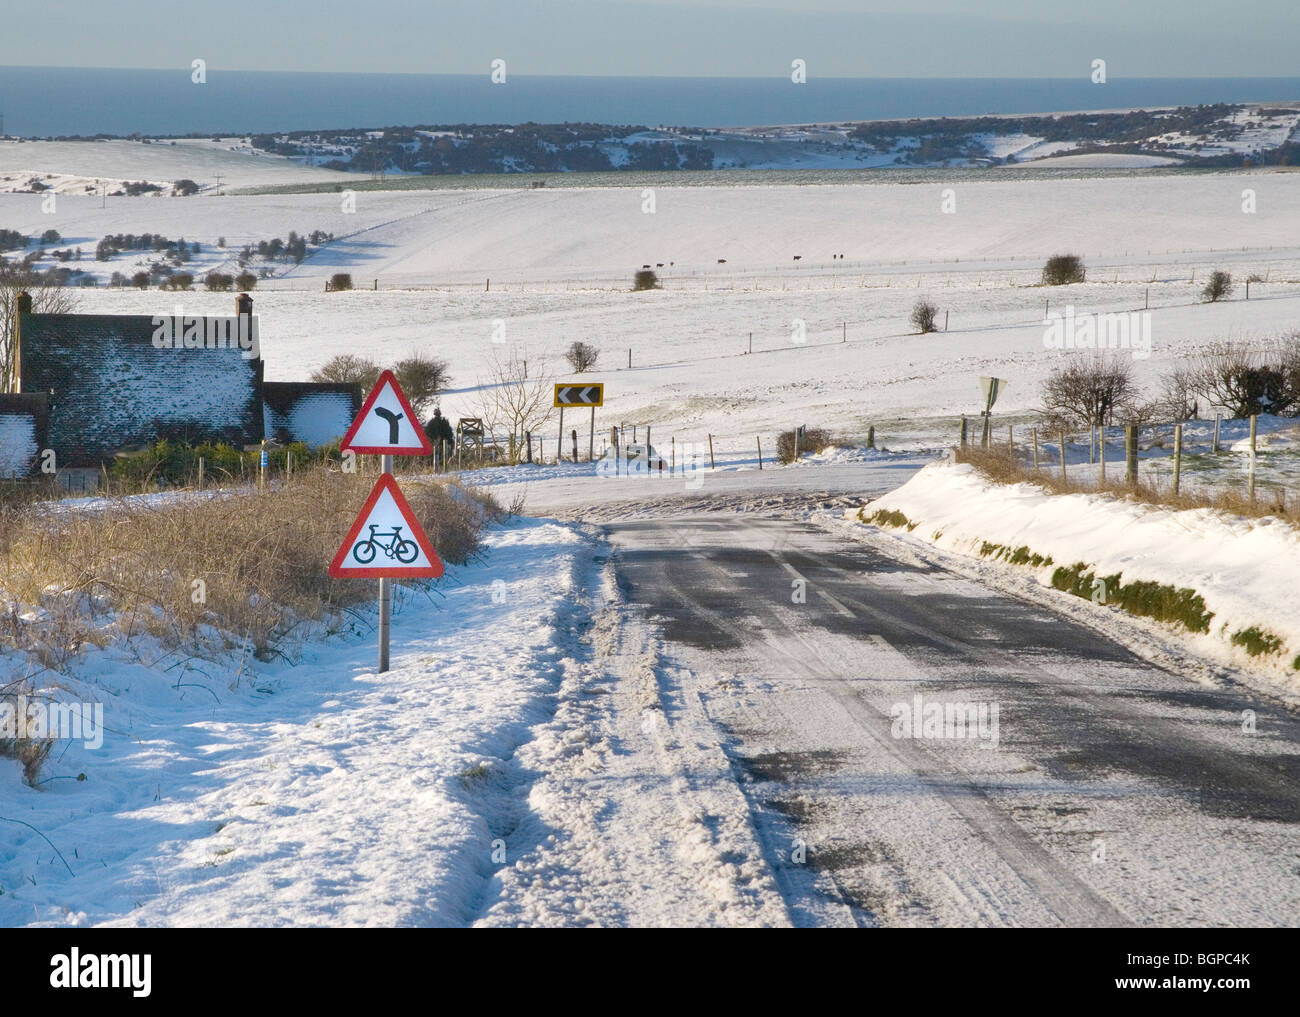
(50, 102)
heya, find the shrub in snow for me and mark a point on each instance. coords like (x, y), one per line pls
(924, 315)
(582, 356)
(813, 439)
(341, 281)
(1218, 288)
(179, 281)
(1062, 269)
(645, 280)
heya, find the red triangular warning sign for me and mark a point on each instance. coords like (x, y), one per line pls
(387, 540)
(386, 424)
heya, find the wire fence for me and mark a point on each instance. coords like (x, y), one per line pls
(1219, 454)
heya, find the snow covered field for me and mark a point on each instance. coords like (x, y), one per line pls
(80, 165)
(560, 264)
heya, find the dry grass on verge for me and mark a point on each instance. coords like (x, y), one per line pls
(219, 570)
(1007, 466)
(814, 440)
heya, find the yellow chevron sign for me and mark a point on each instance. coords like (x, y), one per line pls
(568, 395)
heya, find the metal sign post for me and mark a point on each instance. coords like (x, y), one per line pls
(575, 395)
(385, 591)
(992, 388)
(386, 426)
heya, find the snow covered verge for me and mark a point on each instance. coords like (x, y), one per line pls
(1229, 579)
(318, 792)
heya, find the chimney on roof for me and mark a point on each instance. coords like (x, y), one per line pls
(243, 304)
(12, 380)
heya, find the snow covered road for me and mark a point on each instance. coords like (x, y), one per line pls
(1090, 787)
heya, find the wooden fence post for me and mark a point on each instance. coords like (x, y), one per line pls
(1064, 476)
(759, 440)
(1253, 421)
(1178, 456)
(1034, 432)
(1130, 455)
(712, 465)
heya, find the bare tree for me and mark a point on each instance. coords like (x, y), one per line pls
(349, 369)
(513, 402)
(1247, 382)
(48, 297)
(1178, 391)
(422, 377)
(582, 356)
(1091, 392)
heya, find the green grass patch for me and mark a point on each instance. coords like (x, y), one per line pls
(887, 517)
(1257, 642)
(1150, 600)
(474, 773)
(1014, 555)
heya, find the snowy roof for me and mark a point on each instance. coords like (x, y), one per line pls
(315, 413)
(24, 422)
(110, 387)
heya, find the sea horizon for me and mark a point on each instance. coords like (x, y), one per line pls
(42, 102)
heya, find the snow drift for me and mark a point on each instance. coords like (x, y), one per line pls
(1244, 569)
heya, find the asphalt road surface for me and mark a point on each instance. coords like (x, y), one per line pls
(1062, 780)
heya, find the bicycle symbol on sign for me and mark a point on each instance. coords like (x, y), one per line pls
(393, 545)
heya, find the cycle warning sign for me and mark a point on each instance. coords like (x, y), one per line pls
(387, 540)
(386, 424)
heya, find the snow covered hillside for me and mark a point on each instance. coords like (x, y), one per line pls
(560, 264)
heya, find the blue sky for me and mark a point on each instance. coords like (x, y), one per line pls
(837, 38)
